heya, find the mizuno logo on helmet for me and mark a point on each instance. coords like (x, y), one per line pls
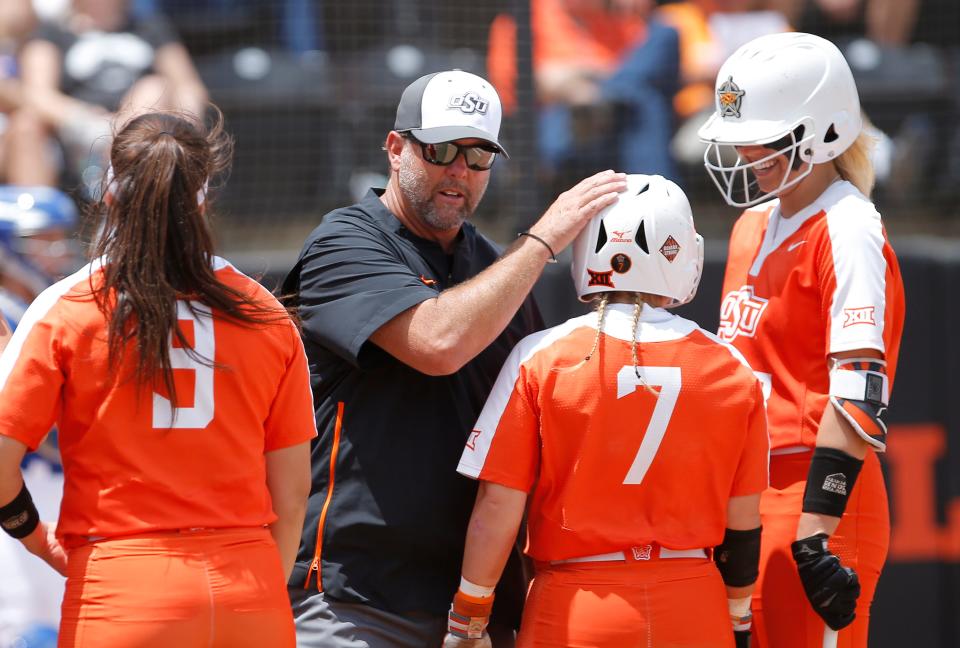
(730, 97)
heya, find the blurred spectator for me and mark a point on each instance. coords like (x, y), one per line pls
(710, 31)
(88, 73)
(36, 248)
(16, 21)
(605, 76)
(886, 22)
(297, 27)
(937, 23)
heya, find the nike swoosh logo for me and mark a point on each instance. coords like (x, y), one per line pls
(794, 246)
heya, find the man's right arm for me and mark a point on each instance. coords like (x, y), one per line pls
(439, 336)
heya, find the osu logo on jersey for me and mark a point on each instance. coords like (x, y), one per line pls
(469, 102)
(740, 314)
(863, 315)
(601, 278)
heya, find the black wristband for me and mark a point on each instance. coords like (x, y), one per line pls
(830, 481)
(738, 557)
(20, 517)
(553, 257)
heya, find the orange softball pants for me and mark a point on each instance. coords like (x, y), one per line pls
(782, 616)
(210, 588)
(659, 603)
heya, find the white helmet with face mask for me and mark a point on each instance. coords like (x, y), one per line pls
(645, 242)
(791, 92)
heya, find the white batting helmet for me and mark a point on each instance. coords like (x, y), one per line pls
(792, 87)
(644, 242)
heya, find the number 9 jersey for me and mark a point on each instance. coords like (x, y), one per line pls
(618, 453)
(134, 461)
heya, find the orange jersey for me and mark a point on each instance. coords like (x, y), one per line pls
(823, 281)
(132, 461)
(615, 460)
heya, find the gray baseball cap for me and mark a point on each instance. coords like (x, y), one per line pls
(451, 105)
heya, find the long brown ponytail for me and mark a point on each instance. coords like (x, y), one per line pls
(156, 244)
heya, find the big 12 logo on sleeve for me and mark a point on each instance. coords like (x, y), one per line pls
(740, 314)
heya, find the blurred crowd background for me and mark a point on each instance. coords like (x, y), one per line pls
(309, 90)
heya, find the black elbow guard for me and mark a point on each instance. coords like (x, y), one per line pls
(738, 557)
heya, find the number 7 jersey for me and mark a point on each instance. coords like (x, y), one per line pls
(616, 455)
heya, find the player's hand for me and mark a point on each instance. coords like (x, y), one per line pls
(43, 543)
(831, 588)
(467, 622)
(572, 209)
(454, 641)
(741, 638)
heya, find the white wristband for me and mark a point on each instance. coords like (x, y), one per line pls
(740, 614)
(479, 591)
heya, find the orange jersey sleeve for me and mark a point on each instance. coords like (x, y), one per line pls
(136, 459)
(616, 455)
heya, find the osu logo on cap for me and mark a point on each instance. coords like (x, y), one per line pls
(730, 96)
(468, 103)
(740, 314)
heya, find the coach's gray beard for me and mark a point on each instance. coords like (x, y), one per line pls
(413, 186)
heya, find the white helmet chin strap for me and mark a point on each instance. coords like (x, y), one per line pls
(737, 181)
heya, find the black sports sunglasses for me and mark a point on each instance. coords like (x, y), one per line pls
(478, 157)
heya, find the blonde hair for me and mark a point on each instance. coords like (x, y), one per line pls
(639, 299)
(601, 315)
(854, 165)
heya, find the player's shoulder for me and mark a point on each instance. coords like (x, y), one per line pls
(724, 353)
(550, 341)
(231, 276)
(73, 291)
(849, 221)
(847, 209)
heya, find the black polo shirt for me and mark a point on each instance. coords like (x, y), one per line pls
(397, 514)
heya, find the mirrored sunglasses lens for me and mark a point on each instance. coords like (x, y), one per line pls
(479, 158)
(442, 153)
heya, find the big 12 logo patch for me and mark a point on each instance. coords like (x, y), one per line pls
(740, 314)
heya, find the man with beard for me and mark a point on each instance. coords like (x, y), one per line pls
(408, 314)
